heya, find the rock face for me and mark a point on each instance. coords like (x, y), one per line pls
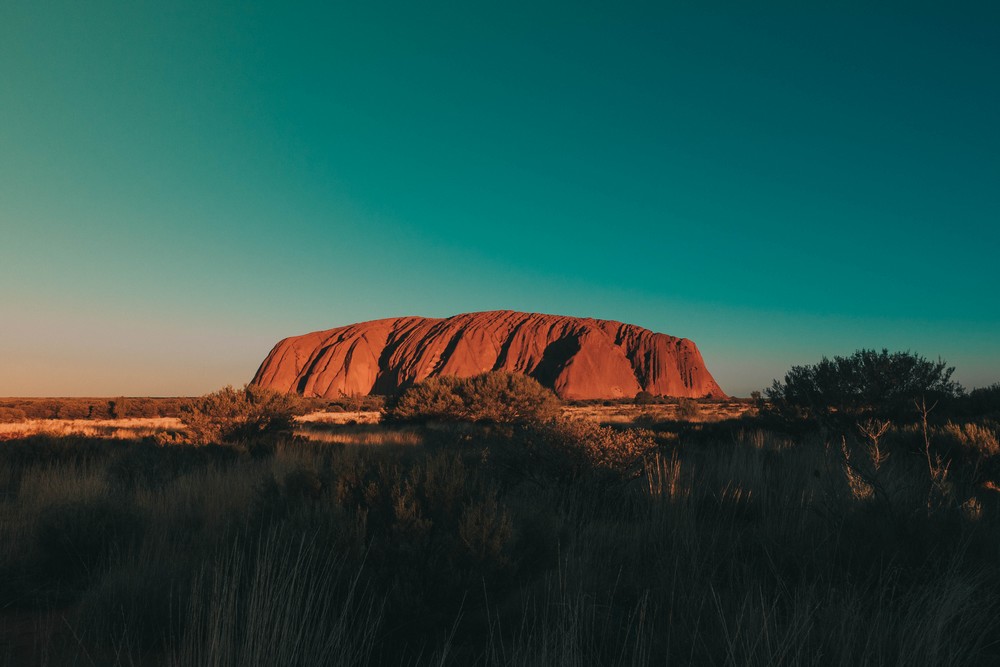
(578, 358)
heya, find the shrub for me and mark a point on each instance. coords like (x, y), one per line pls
(644, 398)
(604, 447)
(503, 398)
(119, 408)
(436, 398)
(985, 400)
(485, 531)
(569, 450)
(12, 415)
(687, 409)
(866, 382)
(239, 415)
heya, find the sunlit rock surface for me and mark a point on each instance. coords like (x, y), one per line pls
(579, 358)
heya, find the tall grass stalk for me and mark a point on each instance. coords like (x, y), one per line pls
(281, 602)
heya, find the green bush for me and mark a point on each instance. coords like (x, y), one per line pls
(239, 415)
(500, 398)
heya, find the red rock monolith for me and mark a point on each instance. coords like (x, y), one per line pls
(579, 358)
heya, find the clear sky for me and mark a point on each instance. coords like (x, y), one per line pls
(183, 184)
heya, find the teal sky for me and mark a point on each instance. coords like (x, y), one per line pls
(182, 184)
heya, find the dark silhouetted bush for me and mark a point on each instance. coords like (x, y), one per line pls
(644, 398)
(687, 409)
(985, 400)
(119, 408)
(602, 447)
(485, 531)
(500, 398)
(239, 415)
(571, 450)
(882, 383)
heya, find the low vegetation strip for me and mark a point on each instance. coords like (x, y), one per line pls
(129, 428)
(758, 540)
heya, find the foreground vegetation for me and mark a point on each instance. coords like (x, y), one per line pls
(753, 541)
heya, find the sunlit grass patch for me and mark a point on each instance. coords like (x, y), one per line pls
(132, 428)
(647, 414)
(344, 417)
(359, 434)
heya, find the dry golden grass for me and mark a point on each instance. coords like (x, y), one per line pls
(127, 429)
(320, 417)
(329, 426)
(653, 413)
(359, 434)
(354, 428)
(974, 437)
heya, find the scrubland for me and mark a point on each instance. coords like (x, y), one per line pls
(127, 428)
(716, 540)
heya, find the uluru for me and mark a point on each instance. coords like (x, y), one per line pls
(578, 358)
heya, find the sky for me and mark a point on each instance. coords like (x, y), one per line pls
(182, 184)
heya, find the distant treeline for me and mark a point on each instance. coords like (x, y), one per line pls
(121, 407)
(979, 402)
(17, 409)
